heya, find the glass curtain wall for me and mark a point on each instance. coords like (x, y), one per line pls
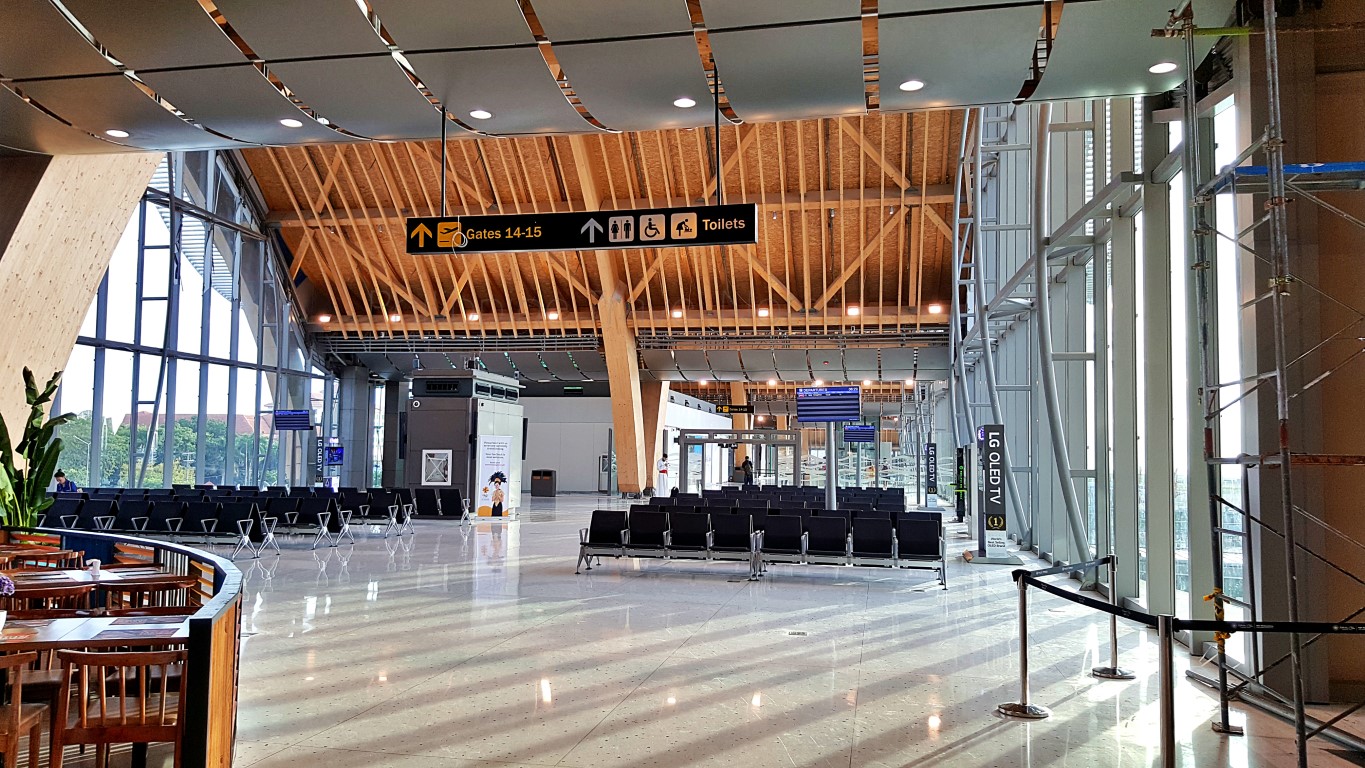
(1123, 344)
(191, 343)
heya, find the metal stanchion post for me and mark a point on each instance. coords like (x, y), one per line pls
(1022, 709)
(1113, 671)
(1166, 672)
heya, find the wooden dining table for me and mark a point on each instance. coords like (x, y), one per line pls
(113, 578)
(93, 632)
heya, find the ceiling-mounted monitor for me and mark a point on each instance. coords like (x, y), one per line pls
(829, 404)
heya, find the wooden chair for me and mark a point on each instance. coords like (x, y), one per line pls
(122, 698)
(17, 718)
(61, 560)
(119, 596)
(67, 597)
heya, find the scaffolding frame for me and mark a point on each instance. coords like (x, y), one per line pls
(1270, 181)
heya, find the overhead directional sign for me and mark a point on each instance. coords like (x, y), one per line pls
(585, 230)
(732, 409)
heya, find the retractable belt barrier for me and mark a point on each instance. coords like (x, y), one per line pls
(1166, 627)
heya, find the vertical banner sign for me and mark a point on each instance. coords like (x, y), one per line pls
(960, 488)
(931, 469)
(993, 488)
(494, 467)
(318, 460)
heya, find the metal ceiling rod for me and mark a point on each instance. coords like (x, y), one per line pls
(443, 161)
(1043, 319)
(1024, 530)
(715, 99)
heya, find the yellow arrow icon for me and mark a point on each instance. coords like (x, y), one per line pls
(421, 232)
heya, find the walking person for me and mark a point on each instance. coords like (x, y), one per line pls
(748, 468)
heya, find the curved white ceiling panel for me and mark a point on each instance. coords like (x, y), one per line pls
(813, 69)
(752, 13)
(660, 362)
(792, 364)
(98, 104)
(370, 96)
(36, 41)
(929, 48)
(759, 364)
(630, 85)
(415, 25)
(295, 29)
(26, 128)
(565, 20)
(149, 34)
(1104, 47)
(512, 83)
(237, 101)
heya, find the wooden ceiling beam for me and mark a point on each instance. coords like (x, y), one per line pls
(866, 253)
(874, 154)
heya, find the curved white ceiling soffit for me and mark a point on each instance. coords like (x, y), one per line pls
(91, 76)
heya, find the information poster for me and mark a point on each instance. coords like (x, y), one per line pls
(993, 490)
(494, 466)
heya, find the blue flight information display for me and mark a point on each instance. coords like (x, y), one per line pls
(335, 455)
(293, 421)
(829, 404)
(860, 433)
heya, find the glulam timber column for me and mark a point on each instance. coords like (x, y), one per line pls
(618, 342)
(739, 396)
(654, 401)
(60, 219)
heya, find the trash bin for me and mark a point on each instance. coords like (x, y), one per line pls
(543, 482)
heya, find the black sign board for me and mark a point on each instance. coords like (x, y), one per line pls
(829, 404)
(293, 421)
(961, 487)
(317, 461)
(931, 468)
(585, 230)
(733, 409)
(993, 489)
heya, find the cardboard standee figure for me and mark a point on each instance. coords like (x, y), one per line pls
(497, 496)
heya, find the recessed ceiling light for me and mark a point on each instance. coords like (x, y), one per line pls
(676, 313)
(1162, 67)
(819, 382)
(762, 311)
(854, 311)
(935, 309)
(912, 85)
(395, 318)
(552, 315)
(772, 382)
(703, 382)
(290, 122)
(909, 382)
(684, 103)
(472, 316)
(116, 133)
(324, 121)
(480, 114)
(324, 318)
(867, 382)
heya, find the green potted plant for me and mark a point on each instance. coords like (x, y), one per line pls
(23, 490)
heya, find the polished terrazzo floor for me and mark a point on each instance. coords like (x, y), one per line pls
(467, 646)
